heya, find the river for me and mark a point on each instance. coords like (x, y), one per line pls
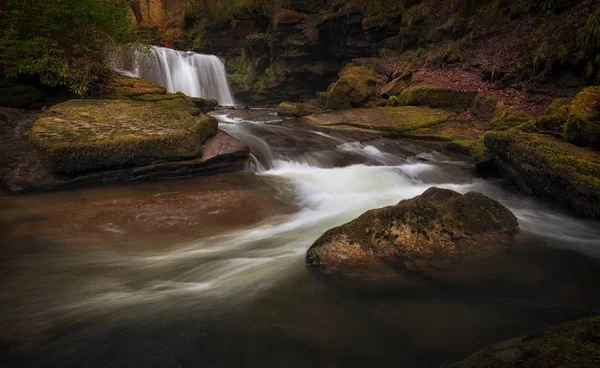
(95, 277)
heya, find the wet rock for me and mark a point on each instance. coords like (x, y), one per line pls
(550, 167)
(435, 96)
(356, 85)
(571, 344)
(291, 109)
(81, 136)
(440, 236)
(583, 126)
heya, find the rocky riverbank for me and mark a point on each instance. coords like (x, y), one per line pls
(137, 132)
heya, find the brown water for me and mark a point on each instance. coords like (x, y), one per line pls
(210, 271)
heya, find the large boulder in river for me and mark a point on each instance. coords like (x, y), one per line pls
(356, 85)
(548, 166)
(81, 136)
(291, 109)
(569, 345)
(439, 236)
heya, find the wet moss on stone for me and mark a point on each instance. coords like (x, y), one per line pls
(507, 117)
(356, 85)
(80, 136)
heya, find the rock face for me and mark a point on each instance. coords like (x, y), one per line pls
(356, 85)
(81, 136)
(583, 125)
(550, 167)
(571, 344)
(439, 236)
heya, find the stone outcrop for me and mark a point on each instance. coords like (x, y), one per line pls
(356, 86)
(435, 96)
(571, 344)
(291, 109)
(440, 236)
(81, 136)
(550, 167)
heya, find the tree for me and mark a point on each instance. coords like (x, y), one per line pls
(62, 42)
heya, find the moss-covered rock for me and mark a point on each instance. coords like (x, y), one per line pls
(18, 95)
(396, 86)
(80, 136)
(484, 107)
(435, 96)
(572, 344)
(474, 148)
(291, 109)
(356, 85)
(507, 117)
(402, 119)
(583, 126)
(550, 167)
(559, 106)
(441, 236)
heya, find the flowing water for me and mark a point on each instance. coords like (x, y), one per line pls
(196, 75)
(82, 285)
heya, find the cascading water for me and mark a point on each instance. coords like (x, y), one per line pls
(196, 75)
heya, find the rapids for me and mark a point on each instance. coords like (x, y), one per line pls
(244, 297)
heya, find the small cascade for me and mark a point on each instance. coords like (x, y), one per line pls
(196, 75)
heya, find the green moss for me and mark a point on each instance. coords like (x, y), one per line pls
(474, 148)
(559, 106)
(434, 96)
(583, 125)
(571, 344)
(507, 118)
(80, 136)
(551, 167)
(356, 85)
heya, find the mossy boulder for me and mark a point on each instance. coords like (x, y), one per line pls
(441, 236)
(474, 148)
(436, 96)
(81, 136)
(396, 86)
(484, 107)
(547, 166)
(18, 95)
(356, 85)
(583, 125)
(507, 117)
(291, 109)
(573, 344)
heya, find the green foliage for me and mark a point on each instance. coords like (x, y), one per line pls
(62, 42)
(588, 41)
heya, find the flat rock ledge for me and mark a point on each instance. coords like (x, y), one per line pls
(23, 169)
(439, 237)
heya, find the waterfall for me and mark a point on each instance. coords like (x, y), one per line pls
(196, 75)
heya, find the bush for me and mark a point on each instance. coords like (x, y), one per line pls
(62, 42)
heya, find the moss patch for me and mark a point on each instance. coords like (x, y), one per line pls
(553, 168)
(356, 85)
(434, 96)
(572, 344)
(123, 86)
(402, 119)
(80, 136)
(507, 118)
(583, 125)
